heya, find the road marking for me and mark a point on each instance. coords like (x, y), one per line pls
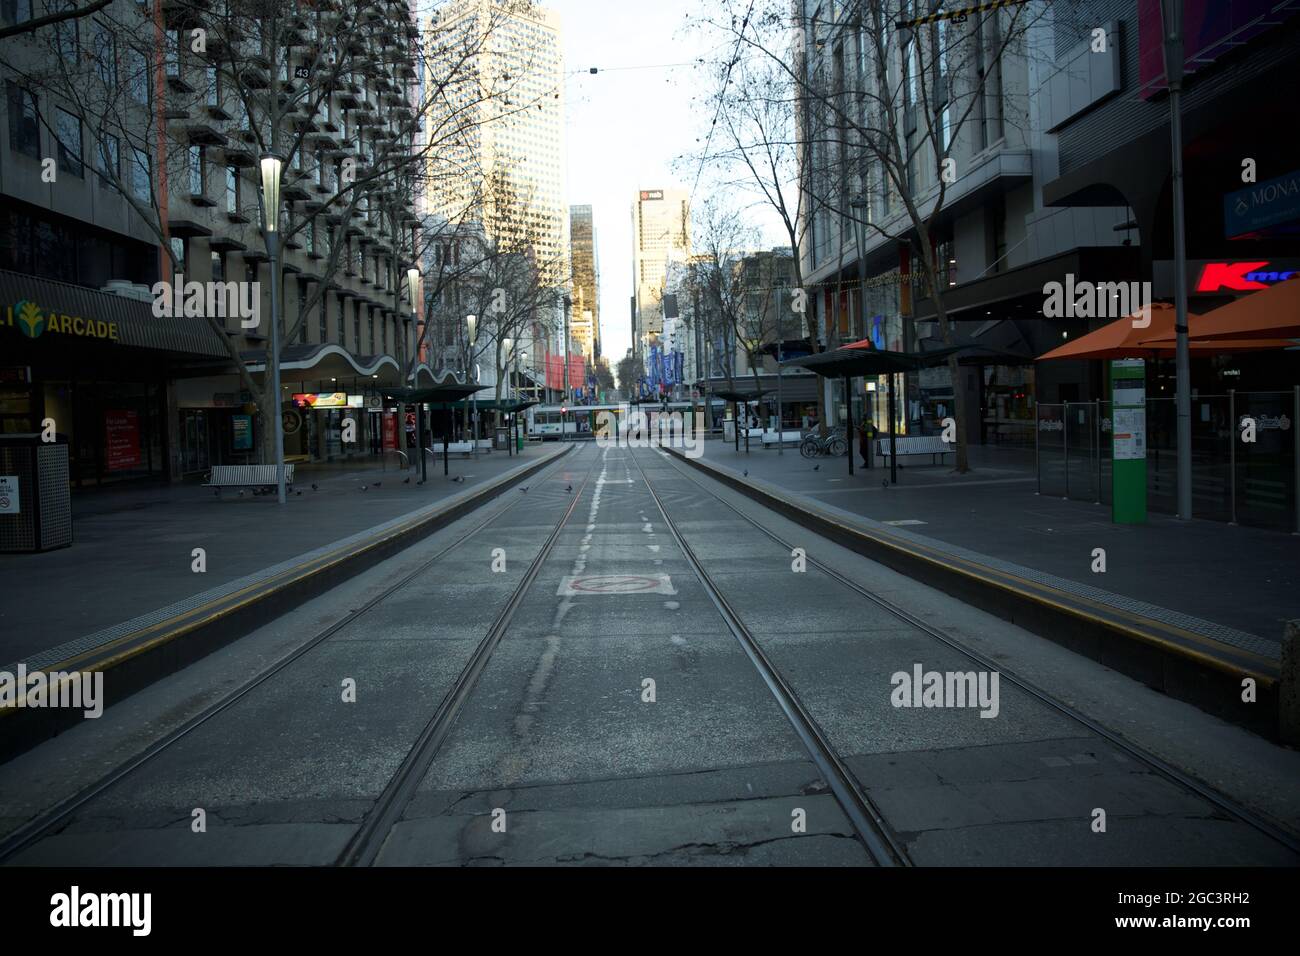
(904, 521)
(573, 585)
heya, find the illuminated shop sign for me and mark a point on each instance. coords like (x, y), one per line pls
(1249, 276)
(33, 321)
(327, 400)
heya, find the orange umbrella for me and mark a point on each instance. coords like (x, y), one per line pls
(1272, 314)
(1120, 339)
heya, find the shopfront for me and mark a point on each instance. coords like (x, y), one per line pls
(95, 368)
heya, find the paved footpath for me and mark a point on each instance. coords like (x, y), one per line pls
(132, 547)
(1242, 578)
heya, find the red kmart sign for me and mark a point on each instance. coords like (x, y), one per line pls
(1224, 276)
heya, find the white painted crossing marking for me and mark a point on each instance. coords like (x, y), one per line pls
(904, 521)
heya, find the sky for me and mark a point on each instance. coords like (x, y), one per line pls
(626, 126)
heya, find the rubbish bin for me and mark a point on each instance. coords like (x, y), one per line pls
(35, 503)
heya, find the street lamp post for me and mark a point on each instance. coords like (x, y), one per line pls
(1171, 18)
(471, 326)
(272, 167)
(507, 347)
(413, 287)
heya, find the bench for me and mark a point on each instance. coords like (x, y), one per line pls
(260, 478)
(931, 445)
(454, 448)
(785, 438)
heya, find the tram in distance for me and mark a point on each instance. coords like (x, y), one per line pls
(549, 422)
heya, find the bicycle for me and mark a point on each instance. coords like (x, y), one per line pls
(833, 445)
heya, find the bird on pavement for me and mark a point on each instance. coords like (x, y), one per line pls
(364, 487)
(817, 467)
(524, 489)
(406, 480)
(378, 483)
(569, 488)
(241, 494)
(746, 472)
(884, 482)
(314, 486)
(298, 493)
(459, 479)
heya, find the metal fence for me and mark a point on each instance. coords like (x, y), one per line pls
(1233, 479)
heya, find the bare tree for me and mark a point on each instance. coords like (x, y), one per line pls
(883, 112)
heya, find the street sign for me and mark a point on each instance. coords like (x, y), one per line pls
(302, 72)
(10, 503)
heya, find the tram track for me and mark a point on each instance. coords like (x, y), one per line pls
(854, 790)
(53, 819)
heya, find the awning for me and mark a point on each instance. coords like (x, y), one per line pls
(133, 319)
(1272, 313)
(859, 359)
(439, 395)
(1120, 339)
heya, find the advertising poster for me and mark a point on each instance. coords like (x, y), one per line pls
(121, 439)
(242, 428)
(390, 431)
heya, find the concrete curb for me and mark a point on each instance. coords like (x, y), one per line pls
(1208, 675)
(145, 655)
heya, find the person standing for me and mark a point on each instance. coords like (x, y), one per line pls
(866, 433)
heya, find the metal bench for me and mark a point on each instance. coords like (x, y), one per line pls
(261, 478)
(453, 448)
(785, 438)
(931, 445)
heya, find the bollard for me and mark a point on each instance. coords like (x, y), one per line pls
(1288, 698)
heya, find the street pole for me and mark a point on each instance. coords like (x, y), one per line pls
(568, 304)
(272, 168)
(780, 417)
(1171, 15)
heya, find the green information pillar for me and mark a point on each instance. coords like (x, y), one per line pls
(1128, 435)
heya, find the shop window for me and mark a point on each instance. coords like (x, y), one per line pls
(24, 127)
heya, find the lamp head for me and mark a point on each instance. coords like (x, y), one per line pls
(272, 168)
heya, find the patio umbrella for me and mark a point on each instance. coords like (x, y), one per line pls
(1272, 314)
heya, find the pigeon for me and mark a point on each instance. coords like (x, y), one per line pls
(746, 472)
(406, 480)
(884, 482)
(298, 493)
(524, 489)
(241, 494)
(817, 467)
(364, 487)
(378, 483)
(315, 487)
(569, 488)
(459, 479)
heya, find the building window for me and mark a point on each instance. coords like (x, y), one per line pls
(66, 32)
(16, 11)
(141, 176)
(198, 170)
(105, 57)
(322, 319)
(218, 267)
(179, 251)
(137, 79)
(107, 160)
(68, 130)
(213, 93)
(24, 128)
(232, 190)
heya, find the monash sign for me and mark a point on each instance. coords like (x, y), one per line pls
(1262, 205)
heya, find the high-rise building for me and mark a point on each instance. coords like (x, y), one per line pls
(584, 326)
(660, 233)
(506, 166)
